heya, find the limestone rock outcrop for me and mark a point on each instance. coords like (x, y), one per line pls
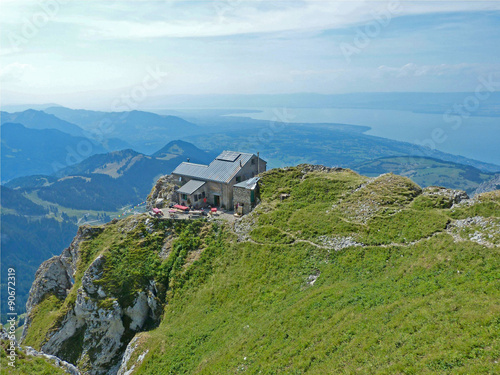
(449, 196)
(162, 193)
(95, 329)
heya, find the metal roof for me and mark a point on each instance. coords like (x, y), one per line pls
(220, 170)
(229, 156)
(190, 187)
(248, 184)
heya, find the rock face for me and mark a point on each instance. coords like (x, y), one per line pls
(95, 329)
(481, 230)
(162, 193)
(68, 367)
(127, 368)
(450, 196)
(55, 276)
(51, 278)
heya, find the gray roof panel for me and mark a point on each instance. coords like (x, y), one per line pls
(218, 170)
(248, 184)
(190, 187)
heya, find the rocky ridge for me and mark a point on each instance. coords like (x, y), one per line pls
(95, 319)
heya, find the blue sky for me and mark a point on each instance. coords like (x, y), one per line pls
(86, 53)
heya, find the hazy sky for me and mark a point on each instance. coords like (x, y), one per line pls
(92, 51)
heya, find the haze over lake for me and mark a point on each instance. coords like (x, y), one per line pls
(476, 137)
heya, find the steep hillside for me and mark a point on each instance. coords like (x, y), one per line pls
(348, 274)
(14, 200)
(428, 172)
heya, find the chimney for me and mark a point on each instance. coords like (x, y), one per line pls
(188, 160)
(241, 165)
(258, 160)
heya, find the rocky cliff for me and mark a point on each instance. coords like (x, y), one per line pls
(84, 307)
(162, 193)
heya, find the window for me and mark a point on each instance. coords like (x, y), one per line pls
(203, 194)
(185, 197)
(238, 178)
(253, 161)
(196, 197)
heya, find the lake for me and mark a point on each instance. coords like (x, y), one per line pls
(472, 137)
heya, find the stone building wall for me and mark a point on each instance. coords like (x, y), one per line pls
(242, 195)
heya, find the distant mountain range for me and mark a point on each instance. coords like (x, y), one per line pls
(145, 131)
(40, 120)
(29, 235)
(35, 142)
(181, 148)
(41, 151)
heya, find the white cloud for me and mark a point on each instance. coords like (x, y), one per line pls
(140, 19)
(14, 72)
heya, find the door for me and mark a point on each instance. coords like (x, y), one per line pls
(216, 200)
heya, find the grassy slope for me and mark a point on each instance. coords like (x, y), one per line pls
(26, 365)
(397, 306)
(429, 307)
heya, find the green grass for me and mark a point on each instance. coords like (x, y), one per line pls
(374, 310)
(44, 314)
(431, 307)
(313, 221)
(308, 211)
(131, 261)
(411, 301)
(404, 226)
(25, 365)
(270, 234)
(423, 202)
